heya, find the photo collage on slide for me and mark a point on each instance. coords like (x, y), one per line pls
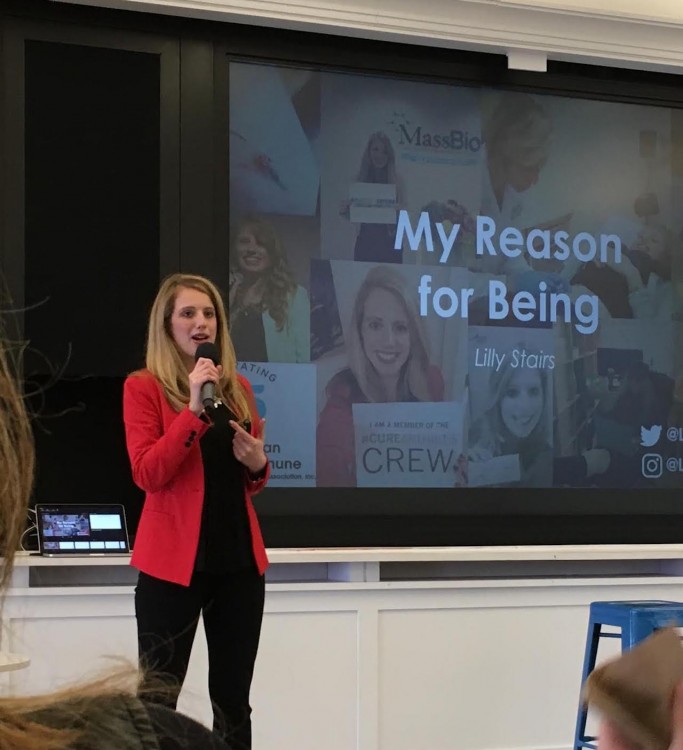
(442, 286)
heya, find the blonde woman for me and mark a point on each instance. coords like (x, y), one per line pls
(388, 362)
(375, 242)
(198, 547)
(269, 312)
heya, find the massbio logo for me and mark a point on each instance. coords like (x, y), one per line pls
(413, 134)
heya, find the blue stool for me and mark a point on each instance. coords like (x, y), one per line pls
(637, 621)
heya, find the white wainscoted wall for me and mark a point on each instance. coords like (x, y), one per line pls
(402, 649)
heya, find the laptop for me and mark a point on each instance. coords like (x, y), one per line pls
(85, 530)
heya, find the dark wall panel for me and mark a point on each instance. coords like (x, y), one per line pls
(92, 203)
(91, 258)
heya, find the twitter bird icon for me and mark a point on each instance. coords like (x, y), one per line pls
(650, 436)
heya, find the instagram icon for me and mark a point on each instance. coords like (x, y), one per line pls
(652, 466)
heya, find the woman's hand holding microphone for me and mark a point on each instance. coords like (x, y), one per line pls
(247, 448)
(204, 371)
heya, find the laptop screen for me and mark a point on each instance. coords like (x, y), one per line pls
(82, 529)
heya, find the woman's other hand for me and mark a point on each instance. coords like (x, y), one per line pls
(248, 449)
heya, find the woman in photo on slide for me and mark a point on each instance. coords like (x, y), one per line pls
(269, 312)
(388, 361)
(375, 242)
(516, 421)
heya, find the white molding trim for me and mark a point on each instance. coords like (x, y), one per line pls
(580, 30)
(656, 11)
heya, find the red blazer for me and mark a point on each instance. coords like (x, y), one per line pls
(163, 446)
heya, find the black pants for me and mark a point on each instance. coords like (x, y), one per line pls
(232, 608)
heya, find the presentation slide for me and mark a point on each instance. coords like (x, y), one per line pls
(443, 286)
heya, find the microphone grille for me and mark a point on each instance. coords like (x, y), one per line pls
(207, 350)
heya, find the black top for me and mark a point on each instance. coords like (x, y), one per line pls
(225, 536)
(248, 336)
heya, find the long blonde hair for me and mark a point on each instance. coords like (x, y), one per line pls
(413, 382)
(163, 357)
(68, 717)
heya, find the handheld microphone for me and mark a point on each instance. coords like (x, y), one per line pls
(207, 394)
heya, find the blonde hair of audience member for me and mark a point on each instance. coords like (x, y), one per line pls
(413, 381)
(278, 284)
(164, 360)
(517, 137)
